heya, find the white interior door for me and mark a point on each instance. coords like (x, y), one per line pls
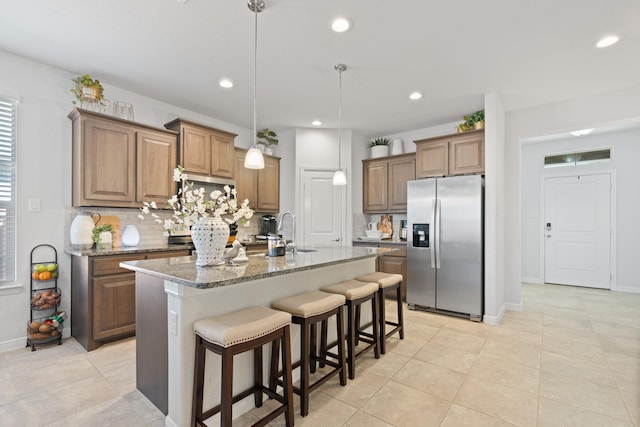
(577, 230)
(323, 220)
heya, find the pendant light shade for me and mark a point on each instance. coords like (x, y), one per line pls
(339, 177)
(254, 159)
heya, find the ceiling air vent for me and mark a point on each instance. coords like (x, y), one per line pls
(577, 158)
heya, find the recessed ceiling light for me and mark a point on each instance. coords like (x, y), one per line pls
(581, 132)
(183, 1)
(607, 41)
(340, 25)
(316, 123)
(415, 96)
(226, 83)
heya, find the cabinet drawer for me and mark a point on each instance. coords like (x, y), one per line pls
(401, 250)
(168, 254)
(111, 264)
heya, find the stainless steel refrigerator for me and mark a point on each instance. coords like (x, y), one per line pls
(445, 256)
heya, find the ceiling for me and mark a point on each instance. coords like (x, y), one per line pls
(530, 52)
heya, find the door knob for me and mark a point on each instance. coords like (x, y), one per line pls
(548, 235)
(336, 240)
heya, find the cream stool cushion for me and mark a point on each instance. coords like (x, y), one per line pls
(383, 279)
(352, 289)
(309, 303)
(241, 326)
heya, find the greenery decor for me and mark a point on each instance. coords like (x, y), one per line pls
(95, 235)
(267, 137)
(88, 90)
(379, 141)
(471, 120)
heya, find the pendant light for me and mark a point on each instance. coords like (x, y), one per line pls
(339, 177)
(254, 159)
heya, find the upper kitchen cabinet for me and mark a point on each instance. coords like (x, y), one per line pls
(260, 186)
(204, 150)
(456, 154)
(118, 163)
(384, 182)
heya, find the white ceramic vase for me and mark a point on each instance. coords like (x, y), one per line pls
(209, 235)
(396, 147)
(379, 151)
(81, 230)
(130, 236)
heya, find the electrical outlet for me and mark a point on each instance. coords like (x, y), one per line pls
(173, 323)
(34, 205)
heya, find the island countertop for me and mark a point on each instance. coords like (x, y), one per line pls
(182, 270)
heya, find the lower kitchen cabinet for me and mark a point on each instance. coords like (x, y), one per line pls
(395, 263)
(103, 297)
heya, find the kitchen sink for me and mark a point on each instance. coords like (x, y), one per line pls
(306, 250)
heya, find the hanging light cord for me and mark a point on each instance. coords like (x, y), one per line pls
(340, 68)
(255, 73)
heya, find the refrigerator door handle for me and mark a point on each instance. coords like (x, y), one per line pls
(437, 232)
(432, 234)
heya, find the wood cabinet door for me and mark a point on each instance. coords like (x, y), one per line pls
(395, 265)
(156, 158)
(432, 158)
(114, 305)
(108, 164)
(401, 170)
(466, 154)
(374, 183)
(246, 179)
(269, 185)
(222, 156)
(195, 150)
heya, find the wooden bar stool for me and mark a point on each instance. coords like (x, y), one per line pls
(234, 333)
(307, 309)
(387, 282)
(356, 293)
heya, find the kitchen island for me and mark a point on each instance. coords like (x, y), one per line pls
(171, 294)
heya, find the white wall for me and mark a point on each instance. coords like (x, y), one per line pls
(44, 171)
(592, 111)
(625, 146)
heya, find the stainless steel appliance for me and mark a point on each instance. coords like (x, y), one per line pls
(445, 259)
(268, 225)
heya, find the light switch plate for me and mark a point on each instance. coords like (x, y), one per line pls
(34, 205)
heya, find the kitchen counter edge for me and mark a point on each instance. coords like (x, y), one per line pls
(182, 270)
(124, 250)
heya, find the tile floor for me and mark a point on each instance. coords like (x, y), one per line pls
(570, 358)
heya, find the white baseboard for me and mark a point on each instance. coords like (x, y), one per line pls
(21, 342)
(494, 320)
(512, 306)
(531, 280)
(630, 289)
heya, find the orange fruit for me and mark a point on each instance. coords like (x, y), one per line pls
(46, 275)
(35, 275)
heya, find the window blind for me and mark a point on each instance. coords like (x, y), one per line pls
(7, 191)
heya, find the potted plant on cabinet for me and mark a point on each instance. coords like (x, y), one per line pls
(379, 147)
(89, 92)
(267, 137)
(472, 121)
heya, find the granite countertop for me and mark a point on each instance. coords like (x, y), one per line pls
(383, 241)
(182, 270)
(123, 250)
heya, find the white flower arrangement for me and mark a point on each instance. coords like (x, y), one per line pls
(191, 204)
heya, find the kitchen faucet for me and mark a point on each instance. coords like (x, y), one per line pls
(293, 229)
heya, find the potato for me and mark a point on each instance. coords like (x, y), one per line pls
(35, 324)
(54, 333)
(47, 292)
(35, 298)
(44, 328)
(38, 336)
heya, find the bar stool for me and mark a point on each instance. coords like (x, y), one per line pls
(234, 333)
(307, 309)
(356, 293)
(387, 282)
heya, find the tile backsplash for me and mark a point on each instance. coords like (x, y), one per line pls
(360, 222)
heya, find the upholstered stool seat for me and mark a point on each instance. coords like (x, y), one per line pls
(307, 309)
(234, 333)
(387, 282)
(356, 293)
